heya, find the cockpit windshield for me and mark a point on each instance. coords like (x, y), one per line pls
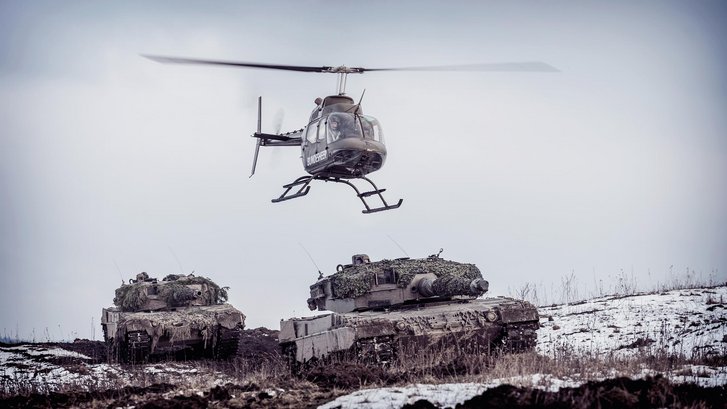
(342, 125)
(348, 125)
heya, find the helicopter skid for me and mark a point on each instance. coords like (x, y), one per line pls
(304, 181)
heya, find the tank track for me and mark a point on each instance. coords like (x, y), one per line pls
(289, 351)
(228, 343)
(520, 337)
(136, 348)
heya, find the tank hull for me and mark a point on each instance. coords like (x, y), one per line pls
(210, 331)
(480, 325)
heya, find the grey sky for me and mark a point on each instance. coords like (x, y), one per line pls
(618, 162)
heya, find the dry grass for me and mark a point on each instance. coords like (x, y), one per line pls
(572, 288)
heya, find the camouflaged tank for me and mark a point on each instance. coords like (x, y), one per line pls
(181, 314)
(389, 308)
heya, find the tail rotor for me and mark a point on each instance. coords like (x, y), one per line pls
(259, 130)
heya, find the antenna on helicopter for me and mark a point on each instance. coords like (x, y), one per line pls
(357, 107)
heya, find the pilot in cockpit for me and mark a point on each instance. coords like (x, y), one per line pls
(334, 129)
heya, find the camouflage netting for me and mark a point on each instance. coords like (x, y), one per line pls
(219, 294)
(130, 297)
(176, 295)
(173, 290)
(356, 280)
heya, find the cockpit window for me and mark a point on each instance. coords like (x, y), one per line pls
(342, 125)
(372, 128)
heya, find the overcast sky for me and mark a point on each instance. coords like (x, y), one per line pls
(112, 164)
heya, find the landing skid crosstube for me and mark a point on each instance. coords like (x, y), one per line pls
(302, 189)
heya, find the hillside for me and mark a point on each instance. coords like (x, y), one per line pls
(671, 344)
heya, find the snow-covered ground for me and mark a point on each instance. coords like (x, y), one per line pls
(686, 322)
(690, 323)
(41, 369)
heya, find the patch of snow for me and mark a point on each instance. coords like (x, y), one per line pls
(444, 395)
(451, 394)
(687, 322)
(37, 350)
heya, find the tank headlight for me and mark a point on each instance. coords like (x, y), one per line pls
(400, 326)
(491, 316)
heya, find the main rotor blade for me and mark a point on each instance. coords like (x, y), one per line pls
(528, 66)
(178, 60)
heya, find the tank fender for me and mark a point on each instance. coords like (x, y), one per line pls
(324, 343)
(110, 321)
(519, 312)
(376, 328)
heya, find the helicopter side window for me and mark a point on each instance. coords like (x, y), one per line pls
(372, 128)
(311, 133)
(368, 130)
(321, 131)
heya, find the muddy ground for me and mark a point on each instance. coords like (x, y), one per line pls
(613, 393)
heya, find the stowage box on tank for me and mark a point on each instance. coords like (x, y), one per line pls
(181, 313)
(381, 308)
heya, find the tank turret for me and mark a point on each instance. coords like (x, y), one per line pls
(382, 309)
(180, 313)
(174, 291)
(364, 285)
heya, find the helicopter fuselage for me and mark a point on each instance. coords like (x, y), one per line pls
(340, 142)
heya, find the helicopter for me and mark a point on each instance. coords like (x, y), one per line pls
(339, 144)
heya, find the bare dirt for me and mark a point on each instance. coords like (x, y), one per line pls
(612, 393)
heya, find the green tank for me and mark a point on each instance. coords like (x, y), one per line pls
(179, 315)
(382, 309)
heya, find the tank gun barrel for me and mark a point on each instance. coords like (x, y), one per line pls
(452, 286)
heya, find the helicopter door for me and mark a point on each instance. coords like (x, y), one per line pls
(314, 144)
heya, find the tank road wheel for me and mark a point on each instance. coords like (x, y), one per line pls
(379, 350)
(228, 342)
(138, 346)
